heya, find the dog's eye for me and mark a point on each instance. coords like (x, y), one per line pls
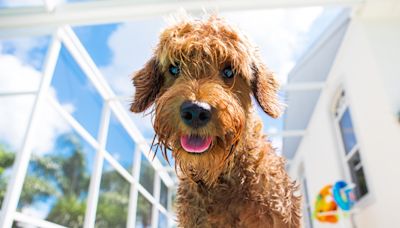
(174, 70)
(227, 72)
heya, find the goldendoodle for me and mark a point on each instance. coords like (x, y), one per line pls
(200, 80)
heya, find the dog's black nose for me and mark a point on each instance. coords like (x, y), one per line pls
(195, 114)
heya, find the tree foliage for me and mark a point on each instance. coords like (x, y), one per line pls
(6, 160)
(61, 178)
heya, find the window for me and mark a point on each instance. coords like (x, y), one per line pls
(350, 147)
(307, 214)
(347, 132)
(86, 162)
(19, 82)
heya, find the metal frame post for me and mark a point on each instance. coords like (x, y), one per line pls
(95, 180)
(156, 190)
(133, 195)
(21, 162)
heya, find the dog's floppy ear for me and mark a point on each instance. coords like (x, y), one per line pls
(147, 82)
(265, 89)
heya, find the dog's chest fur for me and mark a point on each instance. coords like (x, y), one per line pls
(254, 191)
(239, 199)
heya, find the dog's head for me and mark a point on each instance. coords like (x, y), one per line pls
(200, 80)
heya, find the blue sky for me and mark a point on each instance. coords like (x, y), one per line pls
(121, 48)
(19, 3)
(95, 39)
(118, 50)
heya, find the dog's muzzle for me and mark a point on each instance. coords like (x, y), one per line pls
(195, 114)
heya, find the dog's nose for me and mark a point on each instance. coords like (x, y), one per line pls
(195, 114)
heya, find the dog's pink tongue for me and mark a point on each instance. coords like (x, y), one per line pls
(195, 144)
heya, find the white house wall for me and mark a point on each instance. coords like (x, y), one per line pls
(367, 66)
(317, 151)
(388, 55)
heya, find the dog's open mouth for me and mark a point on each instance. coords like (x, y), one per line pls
(195, 143)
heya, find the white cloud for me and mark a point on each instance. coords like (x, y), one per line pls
(15, 110)
(38, 210)
(17, 77)
(132, 45)
(279, 33)
(273, 130)
(144, 123)
(70, 108)
(277, 144)
(276, 141)
(27, 49)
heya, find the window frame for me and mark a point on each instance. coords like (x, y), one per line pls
(111, 104)
(308, 220)
(341, 103)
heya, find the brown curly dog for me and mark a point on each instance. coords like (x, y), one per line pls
(200, 80)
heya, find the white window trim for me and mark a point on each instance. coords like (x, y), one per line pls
(367, 199)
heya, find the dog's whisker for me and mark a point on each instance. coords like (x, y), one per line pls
(230, 152)
(152, 146)
(165, 155)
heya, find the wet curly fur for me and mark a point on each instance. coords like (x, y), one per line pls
(239, 181)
